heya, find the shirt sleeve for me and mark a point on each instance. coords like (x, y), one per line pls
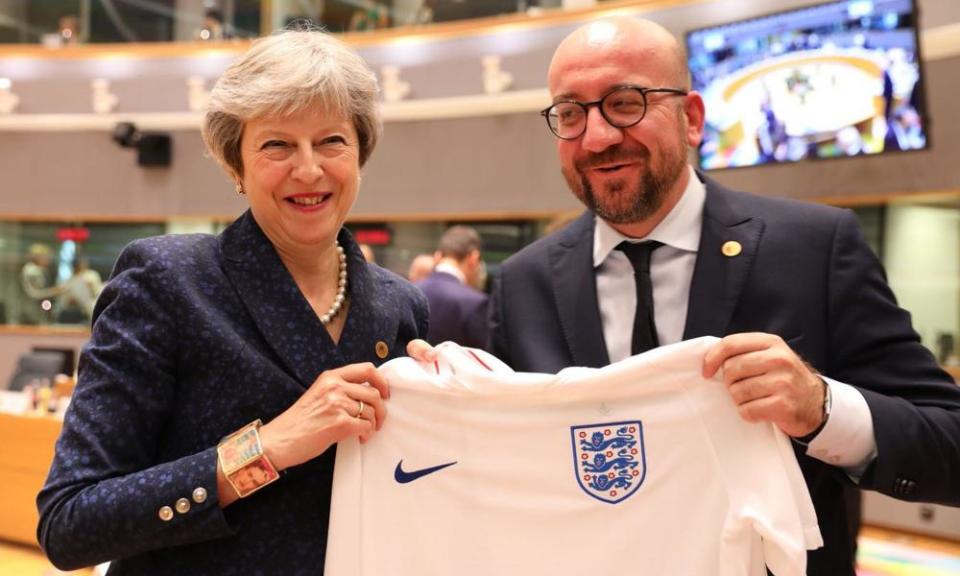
(847, 440)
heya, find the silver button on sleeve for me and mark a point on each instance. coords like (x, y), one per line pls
(183, 505)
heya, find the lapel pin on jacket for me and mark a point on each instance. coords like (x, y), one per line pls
(731, 248)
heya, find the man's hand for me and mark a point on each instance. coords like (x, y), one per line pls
(768, 381)
(421, 351)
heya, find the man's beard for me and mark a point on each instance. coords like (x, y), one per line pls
(623, 201)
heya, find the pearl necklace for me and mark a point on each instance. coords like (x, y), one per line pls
(341, 288)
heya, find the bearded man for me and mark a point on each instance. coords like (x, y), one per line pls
(812, 337)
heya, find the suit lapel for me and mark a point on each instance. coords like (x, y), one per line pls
(718, 279)
(575, 288)
(281, 313)
(373, 315)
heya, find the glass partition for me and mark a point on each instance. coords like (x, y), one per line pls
(921, 253)
(918, 241)
(56, 23)
(49, 271)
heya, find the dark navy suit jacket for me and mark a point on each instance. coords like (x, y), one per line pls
(194, 337)
(806, 274)
(457, 312)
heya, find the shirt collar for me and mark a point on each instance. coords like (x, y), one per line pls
(680, 229)
(451, 270)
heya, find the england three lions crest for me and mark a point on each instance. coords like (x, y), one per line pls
(609, 460)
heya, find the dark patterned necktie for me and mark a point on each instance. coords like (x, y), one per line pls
(644, 325)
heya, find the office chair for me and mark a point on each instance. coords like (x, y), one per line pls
(35, 366)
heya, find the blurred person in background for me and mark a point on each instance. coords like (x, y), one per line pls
(420, 267)
(68, 29)
(481, 278)
(80, 292)
(370, 15)
(458, 311)
(222, 370)
(213, 27)
(368, 254)
(35, 286)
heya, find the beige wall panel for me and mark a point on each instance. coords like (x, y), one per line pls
(493, 163)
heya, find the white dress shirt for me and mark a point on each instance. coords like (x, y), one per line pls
(451, 270)
(846, 441)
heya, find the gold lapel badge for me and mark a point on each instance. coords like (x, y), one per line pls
(731, 248)
(381, 349)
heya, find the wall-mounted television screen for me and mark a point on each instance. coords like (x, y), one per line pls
(835, 79)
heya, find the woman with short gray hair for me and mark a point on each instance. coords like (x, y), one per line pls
(222, 370)
(286, 74)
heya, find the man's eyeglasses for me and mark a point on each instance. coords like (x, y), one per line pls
(622, 107)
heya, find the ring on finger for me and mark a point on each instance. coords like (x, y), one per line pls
(360, 407)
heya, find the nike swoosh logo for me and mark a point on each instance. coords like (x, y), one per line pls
(402, 476)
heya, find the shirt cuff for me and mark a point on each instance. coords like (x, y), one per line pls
(847, 441)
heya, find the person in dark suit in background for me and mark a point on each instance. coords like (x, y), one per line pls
(458, 311)
(163, 466)
(813, 340)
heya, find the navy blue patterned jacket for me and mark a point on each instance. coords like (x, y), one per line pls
(194, 337)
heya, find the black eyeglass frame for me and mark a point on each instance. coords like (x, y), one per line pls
(599, 104)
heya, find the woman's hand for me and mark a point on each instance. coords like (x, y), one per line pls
(341, 403)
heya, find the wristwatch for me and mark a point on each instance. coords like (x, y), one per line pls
(827, 405)
(243, 462)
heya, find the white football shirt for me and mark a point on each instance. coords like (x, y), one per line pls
(641, 467)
